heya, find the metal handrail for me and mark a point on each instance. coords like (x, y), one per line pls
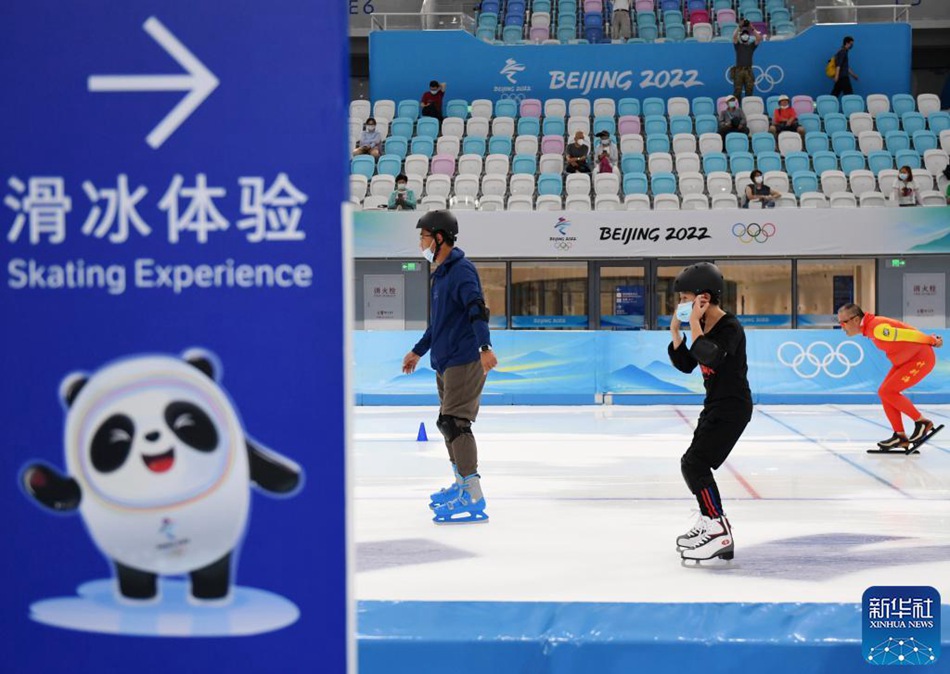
(422, 21)
(836, 14)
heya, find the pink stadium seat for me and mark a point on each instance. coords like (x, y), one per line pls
(552, 145)
(761, 26)
(725, 16)
(539, 33)
(644, 6)
(531, 107)
(628, 124)
(593, 6)
(721, 103)
(698, 16)
(803, 104)
(443, 164)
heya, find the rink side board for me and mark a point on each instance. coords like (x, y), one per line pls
(172, 179)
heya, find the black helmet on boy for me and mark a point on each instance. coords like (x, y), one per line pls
(702, 277)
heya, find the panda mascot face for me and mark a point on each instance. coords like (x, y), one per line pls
(152, 433)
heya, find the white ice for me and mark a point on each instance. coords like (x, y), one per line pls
(585, 503)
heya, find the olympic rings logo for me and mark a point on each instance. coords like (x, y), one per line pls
(765, 79)
(753, 232)
(563, 245)
(819, 357)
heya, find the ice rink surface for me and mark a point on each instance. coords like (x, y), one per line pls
(585, 503)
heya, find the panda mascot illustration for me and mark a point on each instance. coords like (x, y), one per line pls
(159, 467)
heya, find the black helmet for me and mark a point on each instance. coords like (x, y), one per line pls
(702, 277)
(440, 221)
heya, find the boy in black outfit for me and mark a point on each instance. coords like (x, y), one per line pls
(718, 347)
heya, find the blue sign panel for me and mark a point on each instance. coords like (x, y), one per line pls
(401, 62)
(173, 454)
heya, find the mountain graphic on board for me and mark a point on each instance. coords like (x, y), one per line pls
(632, 377)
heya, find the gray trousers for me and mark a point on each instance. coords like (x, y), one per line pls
(460, 392)
(620, 25)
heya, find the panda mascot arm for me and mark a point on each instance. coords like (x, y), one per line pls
(50, 489)
(270, 471)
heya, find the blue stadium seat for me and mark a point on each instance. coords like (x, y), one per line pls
(655, 124)
(771, 105)
(706, 124)
(852, 103)
(487, 34)
(491, 6)
(763, 142)
(428, 127)
(514, 21)
(913, 121)
(737, 142)
(804, 181)
(796, 161)
(647, 32)
(675, 32)
(880, 160)
(628, 106)
(663, 183)
(423, 145)
(566, 33)
(816, 142)
(594, 34)
(741, 161)
(401, 126)
(605, 124)
(457, 107)
(843, 141)
(474, 145)
(886, 122)
(593, 21)
(505, 107)
(703, 105)
(753, 14)
(901, 103)
(783, 28)
(633, 163)
(645, 19)
(654, 106)
(925, 140)
(511, 34)
(939, 121)
(499, 145)
(389, 165)
(540, 6)
(529, 126)
(779, 16)
(835, 122)
(397, 145)
(658, 143)
(550, 183)
(553, 126)
(488, 20)
(852, 161)
(769, 161)
(363, 165)
(408, 108)
(714, 161)
(825, 105)
(824, 161)
(810, 121)
(524, 163)
(634, 183)
(896, 140)
(681, 124)
(907, 158)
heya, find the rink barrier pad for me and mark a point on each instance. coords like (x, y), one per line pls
(397, 637)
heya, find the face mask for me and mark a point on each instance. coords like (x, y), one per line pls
(370, 127)
(683, 311)
(433, 91)
(605, 141)
(902, 176)
(744, 38)
(758, 180)
(429, 255)
(732, 105)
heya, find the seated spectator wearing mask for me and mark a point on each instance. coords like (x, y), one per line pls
(576, 155)
(905, 192)
(732, 119)
(432, 100)
(757, 190)
(402, 198)
(785, 118)
(370, 140)
(605, 154)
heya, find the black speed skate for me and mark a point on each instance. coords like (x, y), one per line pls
(896, 444)
(924, 429)
(901, 445)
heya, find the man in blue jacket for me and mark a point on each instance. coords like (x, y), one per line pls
(459, 345)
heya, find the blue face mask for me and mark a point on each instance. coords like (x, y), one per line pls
(683, 311)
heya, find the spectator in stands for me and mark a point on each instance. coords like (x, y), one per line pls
(746, 40)
(620, 20)
(905, 192)
(843, 72)
(370, 140)
(576, 155)
(605, 154)
(785, 118)
(946, 174)
(732, 119)
(757, 190)
(402, 198)
(432, 100)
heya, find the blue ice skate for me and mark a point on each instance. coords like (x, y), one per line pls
(466, 508)
(444, 495)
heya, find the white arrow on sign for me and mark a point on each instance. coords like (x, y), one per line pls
(199, 82)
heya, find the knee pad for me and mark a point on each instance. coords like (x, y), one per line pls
(452, 427)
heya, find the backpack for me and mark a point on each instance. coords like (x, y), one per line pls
(831, 68)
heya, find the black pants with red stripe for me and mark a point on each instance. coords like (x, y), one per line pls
(716, 434)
